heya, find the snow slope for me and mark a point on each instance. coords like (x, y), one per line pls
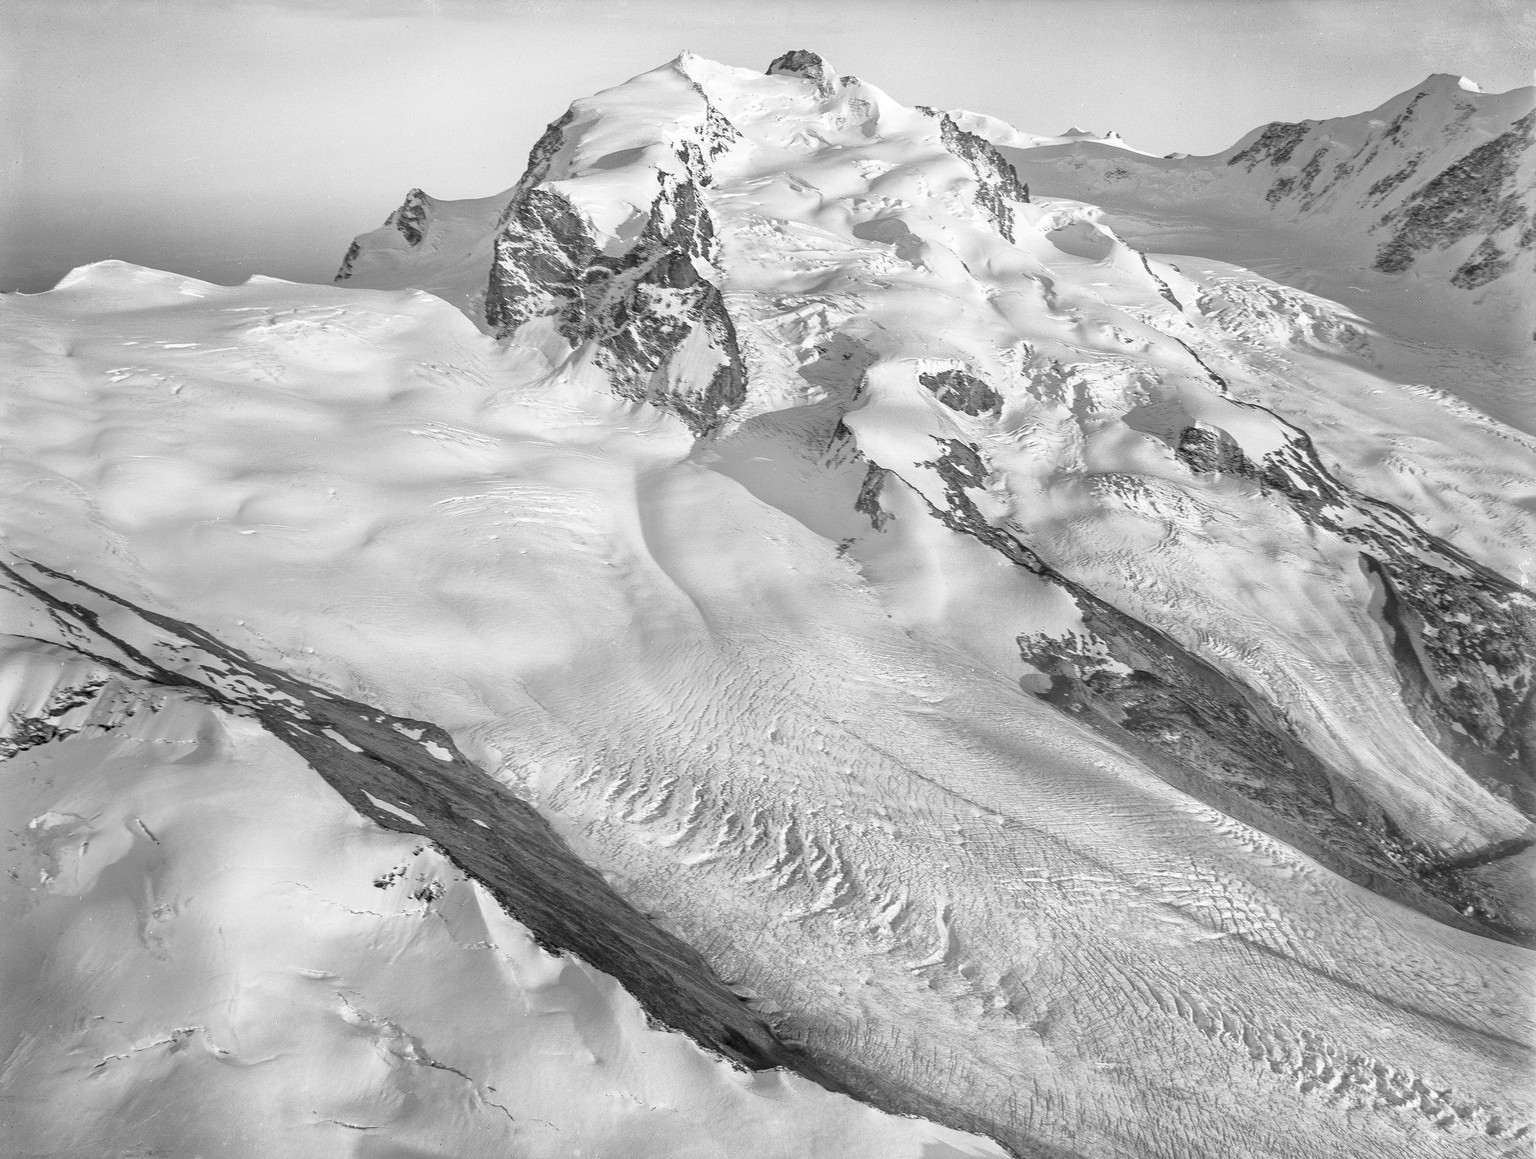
(1080, 697)
(441, 246)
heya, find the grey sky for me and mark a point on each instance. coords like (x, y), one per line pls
(222, 139)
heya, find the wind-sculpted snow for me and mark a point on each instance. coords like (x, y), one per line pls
(1074, 694)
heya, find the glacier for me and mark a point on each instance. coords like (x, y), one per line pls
(806, 625)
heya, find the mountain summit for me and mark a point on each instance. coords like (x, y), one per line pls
(808, 66)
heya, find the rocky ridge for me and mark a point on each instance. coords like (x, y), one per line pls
(998, 186)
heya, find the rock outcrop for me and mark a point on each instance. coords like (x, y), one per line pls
(998, 186)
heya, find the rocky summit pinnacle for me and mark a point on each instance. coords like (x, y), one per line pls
(804, 63)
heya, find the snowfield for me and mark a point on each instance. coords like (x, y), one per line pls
(1074, 693)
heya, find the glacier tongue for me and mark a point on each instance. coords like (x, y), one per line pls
(1086, 692)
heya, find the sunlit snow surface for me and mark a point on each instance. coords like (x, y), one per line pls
(795, 737)
(208, 952)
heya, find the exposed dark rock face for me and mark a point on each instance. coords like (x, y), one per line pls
(654, 317)
(962, 392)
(1163, 290)
(1464, 644)
(1274, 145)
(349, 261)
(542, 156)
(1393, 133)
(1207, 735)
(566, 905)
(1385, 185)
(411, 218)
(1277, 146)
(802, 63)
(719, 135)
(1480, 193)
(868, 502)
(962, 468)
(1487, 262)
(1479, 198)
(1309, 171)
(542, 250)
(27, 732)
(1217, 380)
(1211, 449)
(997, 181)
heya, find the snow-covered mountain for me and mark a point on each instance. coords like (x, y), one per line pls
(1426, 203)
(1081, 695)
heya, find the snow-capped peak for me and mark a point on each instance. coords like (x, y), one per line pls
(1449, 82)
(809, 66)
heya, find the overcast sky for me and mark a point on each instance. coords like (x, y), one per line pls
(227, 137)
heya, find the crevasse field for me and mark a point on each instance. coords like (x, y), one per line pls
(1018, 647)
